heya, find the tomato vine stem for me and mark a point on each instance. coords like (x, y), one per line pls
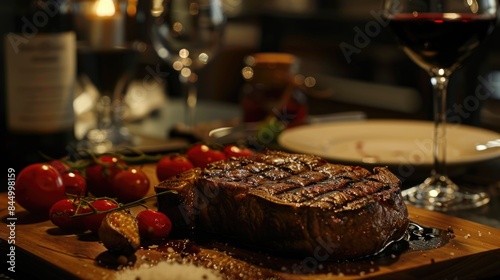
(88, 200)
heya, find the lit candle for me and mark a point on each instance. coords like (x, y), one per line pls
(106, 25)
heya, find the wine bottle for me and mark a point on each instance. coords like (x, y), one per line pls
(38, 74)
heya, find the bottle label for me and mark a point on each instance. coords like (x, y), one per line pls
(40, 73)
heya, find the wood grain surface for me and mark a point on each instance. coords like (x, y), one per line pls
(42, 251)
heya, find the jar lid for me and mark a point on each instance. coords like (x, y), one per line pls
(271, 68)
(270, 58)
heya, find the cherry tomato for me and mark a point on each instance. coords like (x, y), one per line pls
(74, 183)
(100, 175)
(172, 165)
(38, 187)
(235, 151)
(201, 155)
(60, 166)
(60, 214)
(93, 222)
(130, 185)
(153, 224)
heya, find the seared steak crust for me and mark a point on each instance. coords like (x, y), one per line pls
(290, 203)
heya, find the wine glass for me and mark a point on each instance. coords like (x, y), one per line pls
(187, 35)
(107, 55)
(438, 36)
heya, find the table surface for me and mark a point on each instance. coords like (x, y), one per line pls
(42, 250)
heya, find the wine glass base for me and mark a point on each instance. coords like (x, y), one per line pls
(105, 140)
(439, 198)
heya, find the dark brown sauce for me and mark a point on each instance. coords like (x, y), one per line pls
(238, 261)
(422, 238)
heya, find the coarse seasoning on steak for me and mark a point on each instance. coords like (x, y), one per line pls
(290, 203)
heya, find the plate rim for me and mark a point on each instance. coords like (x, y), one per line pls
(491, 154)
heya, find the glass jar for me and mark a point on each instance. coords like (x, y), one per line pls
(270, 90)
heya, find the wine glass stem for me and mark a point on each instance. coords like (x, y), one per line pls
(104, 112)
(191, 100)
(109, 112)
(440, 84)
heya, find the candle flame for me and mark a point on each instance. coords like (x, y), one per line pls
(105, 8)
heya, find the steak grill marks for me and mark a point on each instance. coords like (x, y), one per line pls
(303, 180)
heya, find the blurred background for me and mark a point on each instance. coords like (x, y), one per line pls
(345, 49)
(353, 56)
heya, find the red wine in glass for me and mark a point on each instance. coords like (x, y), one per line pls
(440, 41)
(108, 67)
(438, 36)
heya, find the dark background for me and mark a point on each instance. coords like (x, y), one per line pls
(316, 31)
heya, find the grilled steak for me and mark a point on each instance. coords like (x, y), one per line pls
(290, 203)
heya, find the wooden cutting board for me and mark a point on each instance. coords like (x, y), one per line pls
(43, 250)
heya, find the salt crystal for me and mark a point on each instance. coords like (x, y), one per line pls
(168, 271)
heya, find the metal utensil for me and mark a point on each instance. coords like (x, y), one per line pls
(242, 131)
(488, 145)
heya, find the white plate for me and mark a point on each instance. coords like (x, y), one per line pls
(388, 142)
